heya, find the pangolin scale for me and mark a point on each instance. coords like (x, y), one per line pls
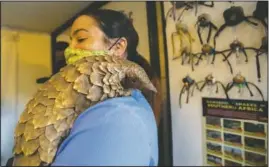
(50, 114)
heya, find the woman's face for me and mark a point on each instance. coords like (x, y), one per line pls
(85, 34)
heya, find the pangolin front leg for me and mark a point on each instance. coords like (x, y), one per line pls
(50, 114)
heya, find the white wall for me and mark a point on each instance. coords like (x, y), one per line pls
(22, 62)
(8, 93)
(187, 121)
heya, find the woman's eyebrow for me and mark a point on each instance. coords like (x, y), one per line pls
(76, 31)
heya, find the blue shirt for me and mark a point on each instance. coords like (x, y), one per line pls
(117, 132)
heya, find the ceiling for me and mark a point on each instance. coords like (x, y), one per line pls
(39, 16)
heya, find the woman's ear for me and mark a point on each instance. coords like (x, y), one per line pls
(120, 48)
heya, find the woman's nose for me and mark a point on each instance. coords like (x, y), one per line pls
(72, 44)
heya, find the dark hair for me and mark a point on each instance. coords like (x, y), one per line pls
(116, 24)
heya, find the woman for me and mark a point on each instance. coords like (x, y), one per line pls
(119, 131)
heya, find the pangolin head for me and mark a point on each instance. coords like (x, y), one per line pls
(137, 73)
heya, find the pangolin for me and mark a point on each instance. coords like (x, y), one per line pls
(49, 115)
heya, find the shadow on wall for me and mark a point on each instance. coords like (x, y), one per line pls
(28, 76)
(23, 60)
(10, 109)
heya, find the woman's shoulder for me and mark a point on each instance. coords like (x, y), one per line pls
(134, 107)
(113, 125)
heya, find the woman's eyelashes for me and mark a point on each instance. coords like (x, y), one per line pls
(81, 39)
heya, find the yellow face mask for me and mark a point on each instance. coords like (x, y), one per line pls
(73, 55)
